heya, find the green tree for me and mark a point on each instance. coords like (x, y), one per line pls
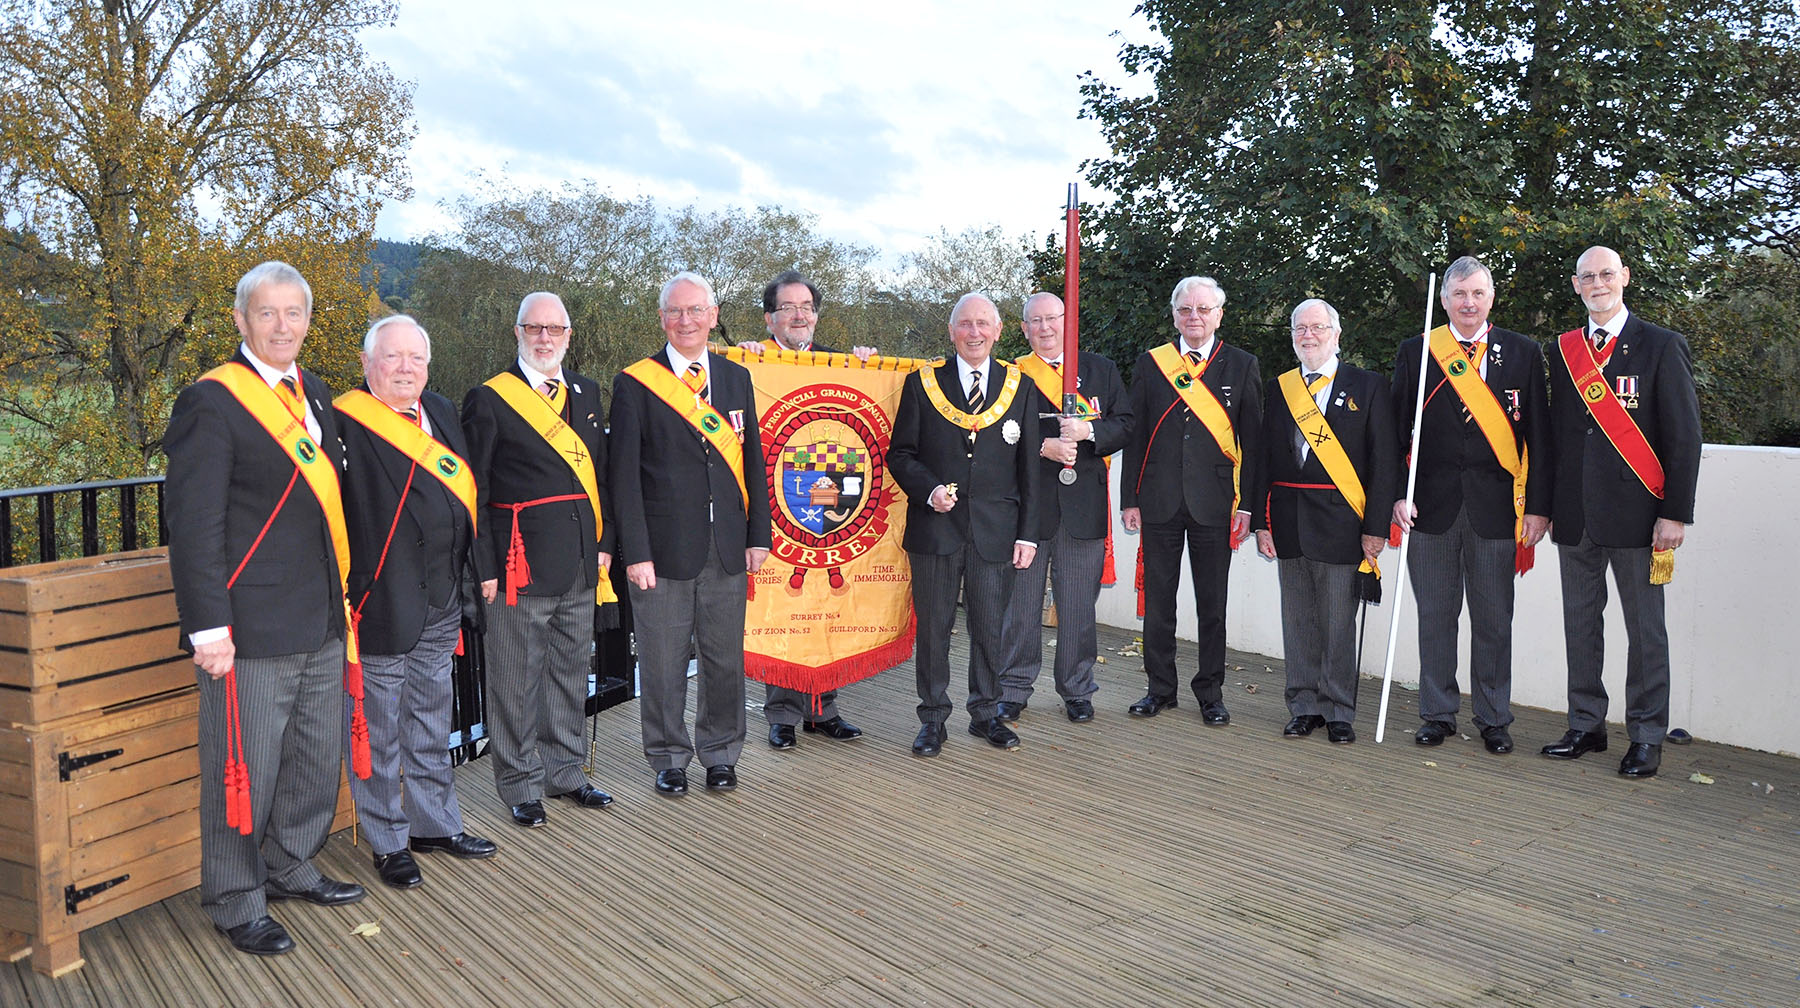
(149, 153)
(1300, 148)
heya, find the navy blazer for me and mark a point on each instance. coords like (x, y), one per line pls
(514, 464)
(674, 497)
(1457, 466)
(1082, 506)
(1319, 524)
(996, 481)
(1172, 460)
(1595, 491)
(226, 476)
(425, 559)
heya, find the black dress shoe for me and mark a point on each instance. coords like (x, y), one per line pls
(1433, 733)
(1010, 711)
(325, 892)
(529, 814)
(1574, 744)
(1213, 712)
(721, 778)
(587, 796)
(781, 736)
(1079, 710)
(1303, 725)
(1152, 705)
(467, 846)
(262, 936)
(995, 731)
(836, 729)
(1641, 760)
(930, 741)
(671, 782)
(398, 869)
(1497, 739)
(1340, 732)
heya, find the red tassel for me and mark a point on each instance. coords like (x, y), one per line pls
(1108, 574)
(1395, 532)
(1140, 580)
(360, 762)
(459, 642)
(1524, 557)
(750, 588)
(518, 572)
(237, 816)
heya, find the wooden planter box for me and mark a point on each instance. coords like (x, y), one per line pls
(99, 762)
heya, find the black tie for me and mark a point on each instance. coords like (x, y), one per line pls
(1193, 357)
(410, 414)
(1599, 338)
(976, 399)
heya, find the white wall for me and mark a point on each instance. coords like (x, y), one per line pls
(1733, 612)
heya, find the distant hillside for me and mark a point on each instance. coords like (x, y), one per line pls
(398, 263)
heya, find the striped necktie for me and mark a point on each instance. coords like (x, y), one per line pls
(695, 378)
(976, 399)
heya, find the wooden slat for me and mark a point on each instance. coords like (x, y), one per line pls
(62, 584)
(47, 668)
(35, 707)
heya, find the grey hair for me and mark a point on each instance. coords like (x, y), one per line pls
(1466, 267)
(368, 346)
(1330, 313)
(533, 298)
(1025, 309)
(272, 272)
(975, 296)
(1189, 283)
(688, 276)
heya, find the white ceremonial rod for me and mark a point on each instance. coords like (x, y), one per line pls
(1412, 479)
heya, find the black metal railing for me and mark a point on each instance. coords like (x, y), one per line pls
(49, 523)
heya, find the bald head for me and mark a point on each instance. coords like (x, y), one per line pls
(1600, 280)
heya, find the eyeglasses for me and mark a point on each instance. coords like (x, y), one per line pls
(795, 308)
(1193, 311)
(534, 329)
(1038, 320)
(696, 313)
(1604, 276)
(1317, 329)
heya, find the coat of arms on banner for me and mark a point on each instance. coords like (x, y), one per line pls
(824, 443)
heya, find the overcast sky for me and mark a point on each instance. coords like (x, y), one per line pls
(887, 121)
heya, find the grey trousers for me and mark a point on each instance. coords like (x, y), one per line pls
(985, 588)
(411, 788)
(1072, 566)
(1442, 568)
(539, 655)
(1318, 636)
(291, 708)
(708, 612)
(1646, 635)
(783, 706)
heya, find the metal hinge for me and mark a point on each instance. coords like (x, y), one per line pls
(67, 765)
(72, 897)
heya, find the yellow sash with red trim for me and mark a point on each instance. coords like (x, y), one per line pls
(1205, 405)
(699, 414)
(1464, 376)
(410, 440)
(1009, 387)
(288, 429)
(1050, 384)
(1608, 412)
(1324, 443)
(537, 414)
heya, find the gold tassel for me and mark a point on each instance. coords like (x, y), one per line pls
(1662, 566)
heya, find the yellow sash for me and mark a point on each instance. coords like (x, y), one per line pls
(1050, 383)
(1464, 376)
(1205, 405)
(1324, 443)
(961, 418)
(410, 440)
(549, 424)
(699, 414)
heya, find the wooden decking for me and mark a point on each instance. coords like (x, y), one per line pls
(1122, 862)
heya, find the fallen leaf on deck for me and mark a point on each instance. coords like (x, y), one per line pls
(1699, 778)
(367, 929)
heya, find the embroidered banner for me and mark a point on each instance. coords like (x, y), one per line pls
(834, 603)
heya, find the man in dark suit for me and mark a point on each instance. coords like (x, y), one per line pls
(409, 498)
(1073, 517)
(1329, 458)
(791, 313)
(544, 540)
(960, 451)
(258, 582)
(693, 509)
(1185, 473)
(1626, 430)
(1481, 502)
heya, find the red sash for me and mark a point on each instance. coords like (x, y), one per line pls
(1608, 412)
